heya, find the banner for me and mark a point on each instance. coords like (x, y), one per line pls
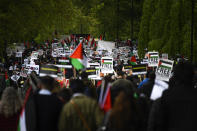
(139, 69)
(31, 68)
(91, 71)
(48, 70)
(164, 69)
(127, 67)
(107, 65)
(106, 45)
(153, 59)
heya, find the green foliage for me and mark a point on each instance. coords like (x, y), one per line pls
(166, 27)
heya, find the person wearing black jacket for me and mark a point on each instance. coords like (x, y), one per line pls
(177, 107)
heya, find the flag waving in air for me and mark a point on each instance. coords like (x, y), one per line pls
(133, 60)
(78, 58)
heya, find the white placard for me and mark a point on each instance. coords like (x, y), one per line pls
(31, 68)
(164, 69)
(107, 65)
(97, 67)
(153, 59)
(106, 45)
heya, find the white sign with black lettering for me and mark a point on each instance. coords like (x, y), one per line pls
(153, 59)
(164, 69)
(31, 68)
(107, 65)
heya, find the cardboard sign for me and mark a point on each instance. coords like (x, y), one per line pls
(153, 59)
(164, 69)
(107, 65)
(31, 68)
(139, 69)
(19, 54)
(91, 71)
(48, 70)
(64, 66)
(64, 61)
(127, 67)
(97, 67)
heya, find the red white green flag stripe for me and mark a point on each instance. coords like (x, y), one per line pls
(78, 59)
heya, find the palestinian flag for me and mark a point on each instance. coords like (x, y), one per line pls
(165, 64)
(107, 61)
(105, 98)
(78, 58)
(133, 60)
(22, 122)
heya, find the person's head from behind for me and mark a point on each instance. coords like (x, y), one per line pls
(64, 95)
(121, 75)
(122, 85)
(10, 102)
(77, 86)
(125, 108)
(151, 75)
(84, 75)
(183, 73)
(48, 83)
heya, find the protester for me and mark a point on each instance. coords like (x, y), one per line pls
(81, 113)
(126, 113)
(90, 89)
(10, 107)
(176, 110)
(145, 80)
(46, 107)
(147, 88)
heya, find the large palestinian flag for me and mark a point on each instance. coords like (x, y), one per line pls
(78, 58)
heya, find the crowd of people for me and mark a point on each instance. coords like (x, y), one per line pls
(120, 103)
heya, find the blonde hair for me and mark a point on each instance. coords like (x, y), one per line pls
(10, 102)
